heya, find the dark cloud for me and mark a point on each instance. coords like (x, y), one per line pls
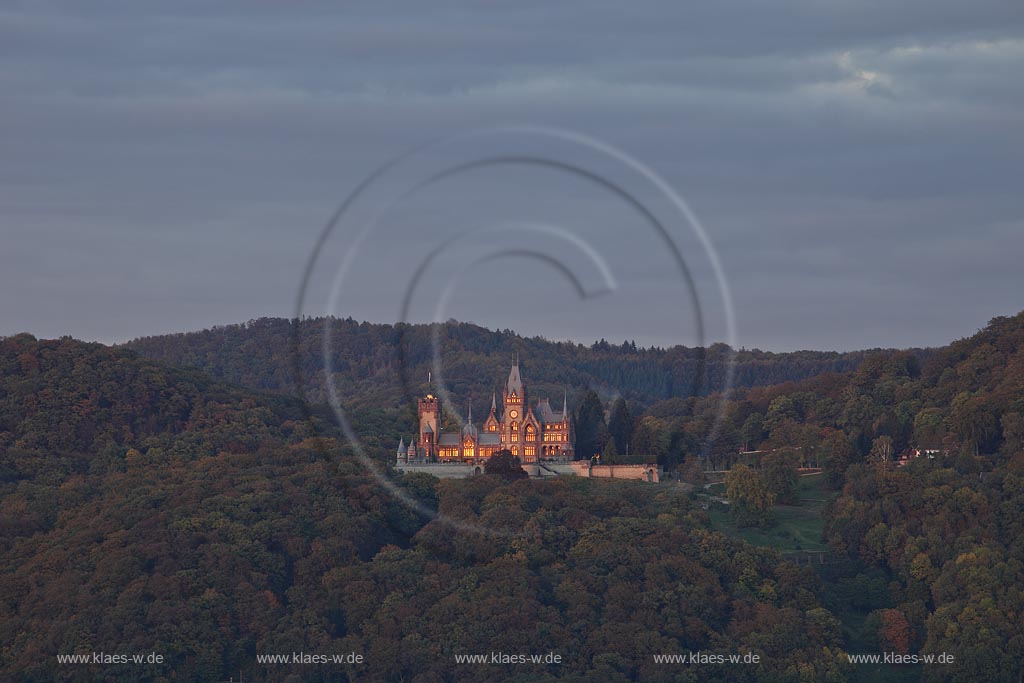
(857, 164)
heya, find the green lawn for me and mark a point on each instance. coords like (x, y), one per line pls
(797, 527)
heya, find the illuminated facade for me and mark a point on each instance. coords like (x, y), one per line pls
(531, 432)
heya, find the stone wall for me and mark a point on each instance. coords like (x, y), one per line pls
(583, 468)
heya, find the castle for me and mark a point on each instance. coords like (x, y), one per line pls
(531, 432)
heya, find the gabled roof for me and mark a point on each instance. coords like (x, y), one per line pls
(546, 414)
(448, 440)
(490, 439)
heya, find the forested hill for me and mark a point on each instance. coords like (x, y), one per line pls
(66, 396)
(941, 535)
(967, 396)
(149, 509)
(366, 359)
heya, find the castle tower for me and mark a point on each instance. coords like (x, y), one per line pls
(512, 419)
(430, 426)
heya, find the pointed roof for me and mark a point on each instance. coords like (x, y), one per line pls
(401, 446)
(428, 430)
(492, 416)
(515, 382)
(545, 412)
(469, 427)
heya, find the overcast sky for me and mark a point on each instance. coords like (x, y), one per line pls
(857, 165)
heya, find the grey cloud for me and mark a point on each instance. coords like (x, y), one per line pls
(168, 167)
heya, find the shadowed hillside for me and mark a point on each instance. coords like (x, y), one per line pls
(150, 509)
(369, 362)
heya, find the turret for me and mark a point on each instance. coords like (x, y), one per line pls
(491, 424)
(430, 425)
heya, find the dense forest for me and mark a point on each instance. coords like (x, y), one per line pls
(150, 507)
(943, 532)
(146, 508)
(378, 366)
(963, 399)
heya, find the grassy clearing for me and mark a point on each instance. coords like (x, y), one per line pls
(797, 527)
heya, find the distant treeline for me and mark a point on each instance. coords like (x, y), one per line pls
(377, 366)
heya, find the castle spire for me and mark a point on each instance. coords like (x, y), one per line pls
(565, 404)
(494, 405)
(469, 429)
(515, 382)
